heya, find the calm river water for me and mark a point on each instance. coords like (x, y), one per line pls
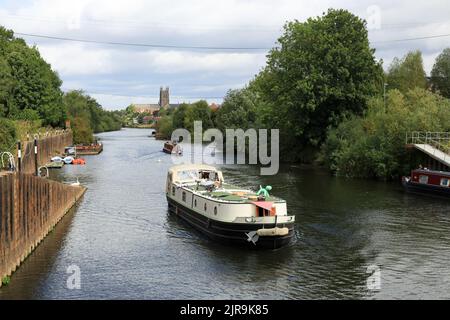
(128, 246)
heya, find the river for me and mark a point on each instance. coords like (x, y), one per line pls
(127, 246)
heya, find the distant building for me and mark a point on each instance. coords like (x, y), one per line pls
(164, 99)
(145, 108)
(164, 102)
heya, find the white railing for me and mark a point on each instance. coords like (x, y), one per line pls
(440, 141)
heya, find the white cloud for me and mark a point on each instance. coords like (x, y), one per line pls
(73, 59)
(237, 23)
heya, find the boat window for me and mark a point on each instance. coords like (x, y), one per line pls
(205, 207)
(183, 196)
(423, 179)
(205, 175)
(173, 190)
(195, 202)
(188, 175)
(445, 182)
(215, 211)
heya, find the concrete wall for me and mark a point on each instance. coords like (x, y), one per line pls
(29, 208)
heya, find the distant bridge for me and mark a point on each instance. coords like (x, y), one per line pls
(434, 144)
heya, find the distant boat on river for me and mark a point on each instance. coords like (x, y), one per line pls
(172, 147)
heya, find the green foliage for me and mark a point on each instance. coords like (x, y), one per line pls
(88, 117)
(142, 115)
(28, 115)
(8, 135)
(6, 85)
(407, 73)
(198, 111)
(321, 70)
(28, 82)
(6, 280)
(82, 132)
(178, 115)
(165, 127)
(374, 145)
(30, 90)
(440, 74)
(183, 117)
(239, 110)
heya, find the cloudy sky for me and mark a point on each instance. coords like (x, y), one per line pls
(232, 35)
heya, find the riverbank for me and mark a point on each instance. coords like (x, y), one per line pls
(30, 208)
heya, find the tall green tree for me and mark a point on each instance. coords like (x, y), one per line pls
(320, 70)
(36, 86)
(407, 73)
(239, 110)
(178, 115)
(6, 85)
(88, 117)
(198, 111)
(440, 74)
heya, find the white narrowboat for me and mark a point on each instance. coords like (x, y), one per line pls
(198, 194)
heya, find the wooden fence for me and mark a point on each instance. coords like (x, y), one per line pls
(48, 146)
(29, 208)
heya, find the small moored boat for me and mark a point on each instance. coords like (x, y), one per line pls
(55, 165)
(89, 150)
(68, 160)
(428, 181)
(227, 213)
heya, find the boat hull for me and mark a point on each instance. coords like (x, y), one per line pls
(414, 187)
(231, 233)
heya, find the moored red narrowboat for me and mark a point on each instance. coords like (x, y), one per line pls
(428, 181)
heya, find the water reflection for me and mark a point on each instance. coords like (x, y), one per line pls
(128, 246)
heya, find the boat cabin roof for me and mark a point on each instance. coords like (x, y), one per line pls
(192, 177)
(432, 172)
(191, 172)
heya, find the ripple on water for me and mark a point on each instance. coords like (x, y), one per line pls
(128, 246)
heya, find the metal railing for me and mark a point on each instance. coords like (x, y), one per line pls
(440, 141)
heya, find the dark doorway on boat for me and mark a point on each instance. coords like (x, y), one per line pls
(261, 212)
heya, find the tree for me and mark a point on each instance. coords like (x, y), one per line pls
(321, 70)
(440, 74)
(179, 114)
(164, 127)
(82, 133)
(407, 73)
(88, 116)
(8, 135)
(238, 110)
(374, 145)
(198, 111)
(6, 85)
(35, 85)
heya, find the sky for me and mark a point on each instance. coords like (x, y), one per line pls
(233, 36)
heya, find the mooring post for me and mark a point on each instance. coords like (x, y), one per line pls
(35, 158)
(19, 155)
